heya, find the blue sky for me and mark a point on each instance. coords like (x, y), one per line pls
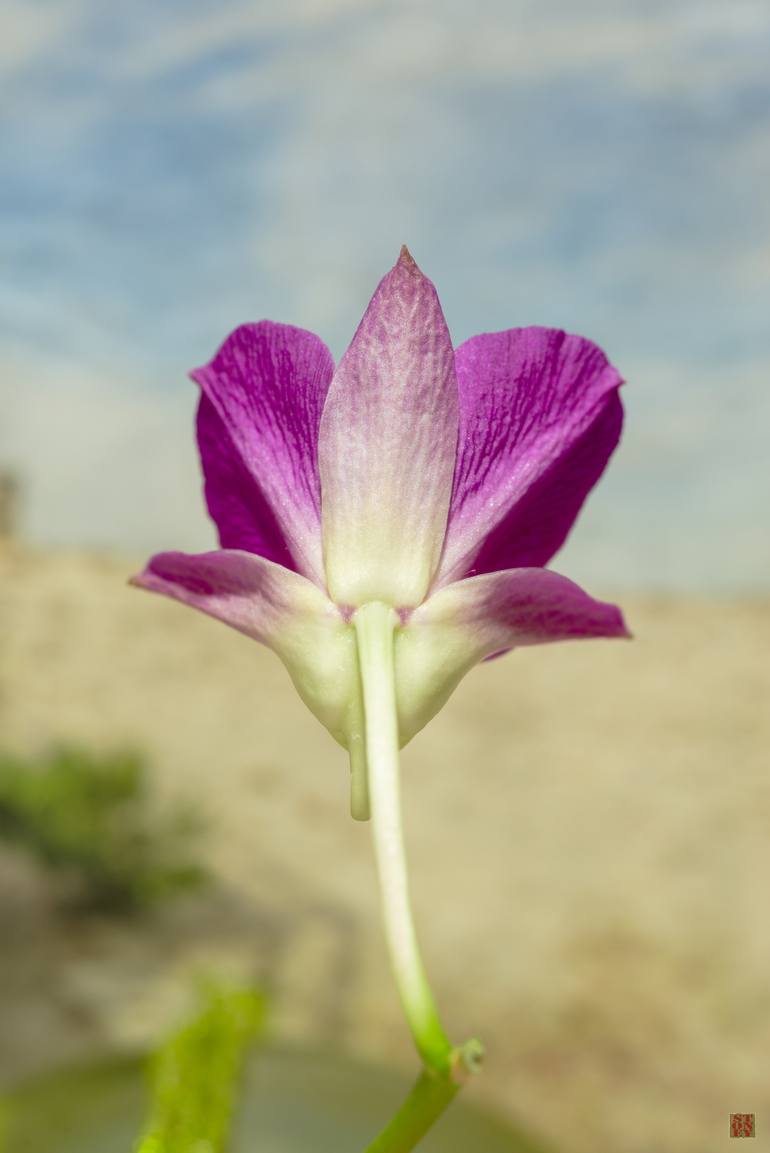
(169, 170)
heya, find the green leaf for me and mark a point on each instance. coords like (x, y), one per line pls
(195, 1076)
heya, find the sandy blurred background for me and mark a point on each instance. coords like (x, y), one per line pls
(587, 824)
(587, 828)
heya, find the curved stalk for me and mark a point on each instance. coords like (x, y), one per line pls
(375, 624)
(446, 1066)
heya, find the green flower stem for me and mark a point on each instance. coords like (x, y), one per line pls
(446, 1066)
(375, 623)
(424, 1105)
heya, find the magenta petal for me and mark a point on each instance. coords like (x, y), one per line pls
(234, 498)
(527, 606)
(483, 616)
(245, 591)
(539, 418)
(283, 610)
(387, 446)
(263, 394)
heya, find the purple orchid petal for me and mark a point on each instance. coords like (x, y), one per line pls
(247, 592)
(263, 394)
(539, 418)
(481, 617)
(387, 446)
(525, 606)
(234, 498)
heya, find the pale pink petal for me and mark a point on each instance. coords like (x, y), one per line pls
(258, 441)
(245, 591)
(281, 609)
(539, 418)
(387, 446)
(483, 616)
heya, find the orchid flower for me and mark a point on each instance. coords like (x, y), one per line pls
(385, 526)
(434, 482)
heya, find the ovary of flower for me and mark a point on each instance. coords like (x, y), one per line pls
(437, 481)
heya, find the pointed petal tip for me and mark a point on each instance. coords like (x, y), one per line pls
(202, 373)
(406, 260)
(615, 624)
(172, 565)
(148, 578)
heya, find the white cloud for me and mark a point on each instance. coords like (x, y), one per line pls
(680, 47)
(210, 28)
(501, 141)
(35, 31)
(685, 500)
(101, 460)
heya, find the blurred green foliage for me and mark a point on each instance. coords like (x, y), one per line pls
(194, 1081)
(88, 818)
(283, 1099)
(196, 1076)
